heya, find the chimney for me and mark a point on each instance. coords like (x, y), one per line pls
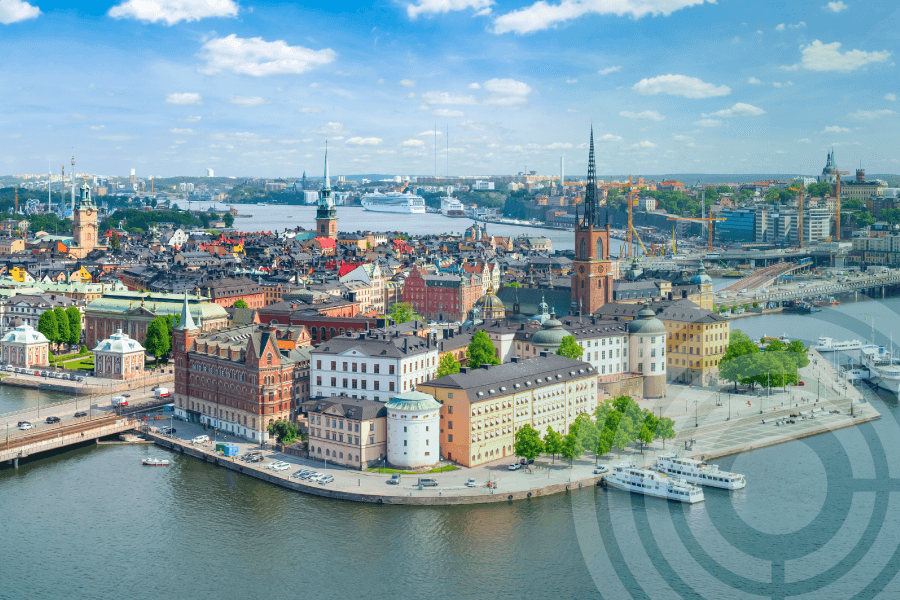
(516, 359)
(684, 293)
(544, 354)
(464, 370)
(485, 366)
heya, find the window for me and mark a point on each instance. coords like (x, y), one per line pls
(333, 381)
(391, 369)
(345, 383)
(371, 426)
(450, 438)
(450, 408)
(376, 369)
(371, 440)
(376, 384)
(404, 429)
(391, 386)
(363, 367)
(318, 364)
(333, 366)
(404, 442)
(356, 427)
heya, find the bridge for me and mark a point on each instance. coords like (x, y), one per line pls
(767, 275)
(876, 285)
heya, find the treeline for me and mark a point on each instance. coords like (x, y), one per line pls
(137, 221)
(61, 325)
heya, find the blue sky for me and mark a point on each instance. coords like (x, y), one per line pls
(170, 87)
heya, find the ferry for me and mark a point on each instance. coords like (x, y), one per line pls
(155, 462)
(827, 344)
(626, 477)
(698, 472)
(451, 207)
(884, 369)
(393, 202)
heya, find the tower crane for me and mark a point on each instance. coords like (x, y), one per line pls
(837, 197)
(710, 220)
(799, 212)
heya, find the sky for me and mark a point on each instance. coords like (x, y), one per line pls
(172, 87)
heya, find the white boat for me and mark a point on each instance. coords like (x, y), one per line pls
(827, 344)
(262, 204)
(393, 202)
(155, 462)
(698, 472)
(884, 369)
(626, 477)
(451, 207)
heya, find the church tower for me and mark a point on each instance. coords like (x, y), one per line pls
(326, 215)
(84, 224)
(593, 272)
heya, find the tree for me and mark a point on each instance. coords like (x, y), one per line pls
(481, 351)
(739, 347)
(448, 365)
(513, 284)
(402, 312)
(62, 325)
(47, 325)
(528, 443)
(570, 348)
(864, 219)
(665, 429)
(819, 189)
(571, 445)
(114, 242)
(228, 218)
(285, 432)
(553, 443)
(158, 341)
(588, 434)
(756, 305)
(240, 303)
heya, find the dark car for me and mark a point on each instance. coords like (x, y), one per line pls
(80, 414)
(126, 395)
(52, 420)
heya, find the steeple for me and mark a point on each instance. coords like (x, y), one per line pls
(327, 177)
(589, 217)
(186, 322)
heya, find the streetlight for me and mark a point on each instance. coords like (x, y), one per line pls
(696, 423)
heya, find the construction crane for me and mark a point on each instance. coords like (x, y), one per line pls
(837, 197)
(799, 212)
(629, 228)
(709, 220)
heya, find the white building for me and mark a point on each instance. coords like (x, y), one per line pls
(413, 430)
(647, 346)
(119, 357)
(371, 275)
(209, 172)
(25, 347)
(372, 366)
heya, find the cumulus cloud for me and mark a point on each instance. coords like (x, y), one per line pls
(506, 92)
(891, 97)
(330, 129)
(571, 81)
(434, 7)
(835, 7)
(412, 144)
(248, 101)
(98, 127)
(870, 115)
(828, 57)
(257, 57)
(647, 115)
(782, 26)
(407, 83)
(475, 86)
(835, 129)
(432, 133)
(645, 145)
(447, 98)
(609, 70)
(608, 137)
(191, 119)
(13, 11)
(185, 98)
(708, 123)
(543, 15)
(559, 146)
(754, 81)
(446, 112)
(738, 110)
(173, 11)
(186, 131)
(367, 141)
(680, 85)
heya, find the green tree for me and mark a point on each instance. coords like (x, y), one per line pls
(864, 219)
(528, 443)
(553, 443)
(665, 429)
(588, 433)
(739, 346)
(481, 351)
(572, 447)
(158, 341)
(852, 204)
(228, 218)
(402, 312)
(285, 432)
(240, 303)
(48, 326)
(819, 189)
(756, 305)
(114, 242)
(62, 325)
(570, 348)
(513, 284)
(448, 365)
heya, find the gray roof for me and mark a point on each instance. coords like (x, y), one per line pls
(350, 408)
(377, 346)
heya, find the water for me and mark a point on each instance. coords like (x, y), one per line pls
(14, 399)
(816, 520)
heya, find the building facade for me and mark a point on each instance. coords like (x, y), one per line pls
(413, 430)
(347, 431)
(25, 347)
(442, 297)
(119, 357)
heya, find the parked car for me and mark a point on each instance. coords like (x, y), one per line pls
(471, 482)
(313, 477)
(427, 482)
(79, 378)
(802, 383)
(25, 425)
(43, 373)
(515, 467)
(200, 439)
(8, 368)
(326, 479)
(51, 420)
(80, 414)
(299, 474)
(394, 480)
(256, 458)
(281, 467)
(126, 395)
(600, 470)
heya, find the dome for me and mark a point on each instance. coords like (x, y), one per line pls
(551, 334)
(24, 334)
(413, 401)
(490, 301)
(701, 278)
(120, 343)
(646, 323)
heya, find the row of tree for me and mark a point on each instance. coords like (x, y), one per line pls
(614, 424)
(61, 325)
(744, 363)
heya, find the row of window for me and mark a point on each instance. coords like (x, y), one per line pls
(338, 423)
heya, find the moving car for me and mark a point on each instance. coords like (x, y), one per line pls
(80, 414)
(200, 439)
(394, 480)
(427, 482)
(515, 467)
(25, 425)
(51, 420)
(471, 482)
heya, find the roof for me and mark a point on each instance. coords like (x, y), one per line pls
(414, 401)
(377, 346)
(119, 343)
(350, 408)
(24, 334)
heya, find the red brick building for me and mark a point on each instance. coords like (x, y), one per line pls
(442, 297)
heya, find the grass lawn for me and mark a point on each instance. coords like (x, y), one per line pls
(81, 364)
(443, 469)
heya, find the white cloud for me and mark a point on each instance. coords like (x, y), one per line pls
(835, 129)
(559, 146)
(645, 145)
(608, 137)
(186, 131)
(571, 81)
(186, 98)
(330, 129)
(447, 98)
(754, 81)
(361, 141)
(828, 57)
(191, 119)
(804, 141)
(708, 123)
(870, 115)
(506, 92)
(309, 110)
(445, 112)
(682, 138)
(782, 26)
(680, 85)
(412, 144)
(738, 110)
(835, 7)
(542, 15)
(474, 86)
(257, 57)
(609, 70)
(13, 11)
(248, 101)
(647, 115)
(173, 11)
(407, 83)
(431, 133)
(891, 97)
(778, 84)
(411, 96)
(433, 7)
(79, 116)
(98, 127)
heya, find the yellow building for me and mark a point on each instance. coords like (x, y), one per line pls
(697, 341)
(11, 245)
(21, 275)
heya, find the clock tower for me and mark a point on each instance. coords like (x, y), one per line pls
(84, 224)
(326, 214)
(593, 273)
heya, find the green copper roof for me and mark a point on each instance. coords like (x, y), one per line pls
(413, 401)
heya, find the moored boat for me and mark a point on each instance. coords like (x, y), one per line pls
(626, 477)
(827, 344)
(155, 462)
(698, 472)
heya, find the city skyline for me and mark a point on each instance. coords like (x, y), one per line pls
(249, 89)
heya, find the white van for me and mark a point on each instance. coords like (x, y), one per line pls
(120, 401)
(200, 439)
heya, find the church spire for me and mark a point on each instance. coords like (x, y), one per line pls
(327, 177)
(186, 321)
(589, 218)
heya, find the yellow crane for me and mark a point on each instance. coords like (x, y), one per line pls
(710, 220)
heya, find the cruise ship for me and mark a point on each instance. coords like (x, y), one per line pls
(451, 207)
(884, 369)
(698, 472)
(393, 202)
(827, 344)
(626, 477)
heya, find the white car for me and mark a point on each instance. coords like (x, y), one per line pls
(515, 467)
(600, 470)
(471, 482)
(200, 439)
(281, 467)
(26, 426)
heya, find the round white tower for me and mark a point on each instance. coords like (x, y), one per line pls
(647, 351)
(413, 430)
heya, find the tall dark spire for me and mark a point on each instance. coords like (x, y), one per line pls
(589, 218)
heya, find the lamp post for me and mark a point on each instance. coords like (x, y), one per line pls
(696, 422)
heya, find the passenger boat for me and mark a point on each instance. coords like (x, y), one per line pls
(451, 207)
(884, 369)
(827, 344)
(155, 462)
(626, 477)
(393, 202)
(698, 472)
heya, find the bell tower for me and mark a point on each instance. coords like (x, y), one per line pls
(593, 272)
(84, 224)
(326, 214)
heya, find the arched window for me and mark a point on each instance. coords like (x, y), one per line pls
(599, 249)
(583, 249)
(269, 359)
